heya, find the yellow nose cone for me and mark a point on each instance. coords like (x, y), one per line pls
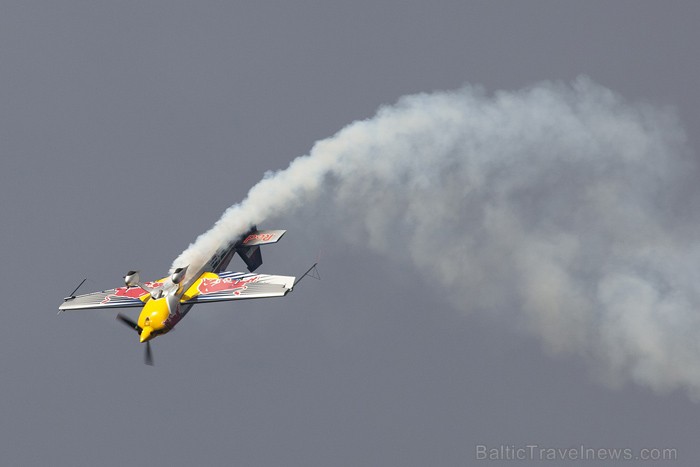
(146, 333)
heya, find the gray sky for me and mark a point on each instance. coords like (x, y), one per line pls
(126, 128)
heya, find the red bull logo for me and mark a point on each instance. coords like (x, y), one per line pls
(236, 286)
(263, 237)
(131, 292)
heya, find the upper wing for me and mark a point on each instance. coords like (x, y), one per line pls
(121, 297)
(237, 286)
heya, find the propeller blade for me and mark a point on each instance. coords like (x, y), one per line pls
(148, 356)
(129, 322)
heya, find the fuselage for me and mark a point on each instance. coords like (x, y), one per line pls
(156, 318)
(153, 318)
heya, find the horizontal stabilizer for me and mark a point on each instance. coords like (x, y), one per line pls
(249, 246)
(262, 237)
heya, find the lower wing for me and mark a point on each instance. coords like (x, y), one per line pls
(210, 287)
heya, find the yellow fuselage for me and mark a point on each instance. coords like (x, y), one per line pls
(155, 312)
(152, 318)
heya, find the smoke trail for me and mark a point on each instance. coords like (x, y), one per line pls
(558, 207)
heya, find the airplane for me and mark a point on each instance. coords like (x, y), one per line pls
(166, 301)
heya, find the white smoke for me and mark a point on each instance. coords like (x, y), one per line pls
(560, 207)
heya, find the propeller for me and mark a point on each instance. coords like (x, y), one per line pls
(126, 320)
(148, 355)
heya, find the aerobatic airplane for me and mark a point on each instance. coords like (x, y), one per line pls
(166, 301)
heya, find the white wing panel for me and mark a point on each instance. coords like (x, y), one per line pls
(242, 286)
